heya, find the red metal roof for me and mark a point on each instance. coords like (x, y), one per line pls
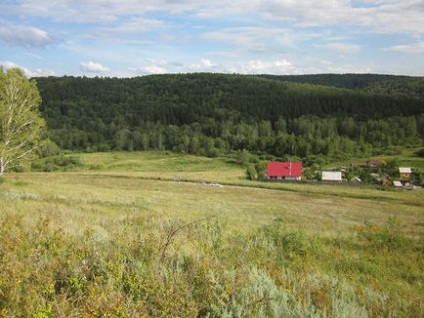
(284, 169)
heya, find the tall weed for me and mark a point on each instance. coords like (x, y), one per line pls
(154, 267)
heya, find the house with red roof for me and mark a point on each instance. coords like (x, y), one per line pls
(284, 170)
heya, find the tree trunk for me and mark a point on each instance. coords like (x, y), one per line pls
(1, 166)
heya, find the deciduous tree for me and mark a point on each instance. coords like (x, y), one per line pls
(21, 123)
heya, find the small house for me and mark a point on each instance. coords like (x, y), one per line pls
(331, 176)
(284, 170)
(405, 173)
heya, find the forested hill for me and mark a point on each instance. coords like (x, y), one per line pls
(372, 83)
(212, 113)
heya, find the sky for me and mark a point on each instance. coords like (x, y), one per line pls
(126, 38)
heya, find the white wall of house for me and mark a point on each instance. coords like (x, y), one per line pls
(331, 176)
(293, 178)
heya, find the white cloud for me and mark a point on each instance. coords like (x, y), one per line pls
(281, 66)
(39, 73)
(159, 66)
(257, 66)
(376, 16)
(387, 16)
(152, 66)
(131, 26)
(21, 35)
(110, 10)
(352, 69)
(255, 39)
(29, 73)
(7, 65)
(153, 69)
(205, 65)
(417, 48)
(243, 36)
(342, 47)
(93, 67)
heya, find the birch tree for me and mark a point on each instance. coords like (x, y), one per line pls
(21, 123)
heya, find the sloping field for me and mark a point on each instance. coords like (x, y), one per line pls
(84, 198)
(123, 237)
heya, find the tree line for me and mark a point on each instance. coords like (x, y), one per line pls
(210, 114)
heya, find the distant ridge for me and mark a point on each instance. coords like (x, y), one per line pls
(209, 113)
(349, 80)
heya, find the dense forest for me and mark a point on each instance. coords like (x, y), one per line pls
(311, 116)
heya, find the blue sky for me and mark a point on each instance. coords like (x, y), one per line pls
(127, 38)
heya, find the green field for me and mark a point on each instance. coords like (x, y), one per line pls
(137, 234)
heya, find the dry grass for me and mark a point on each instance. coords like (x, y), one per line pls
(327, 251)
(93, 198)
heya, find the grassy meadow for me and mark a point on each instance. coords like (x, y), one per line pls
(122, 236)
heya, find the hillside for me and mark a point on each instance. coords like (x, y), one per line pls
(215, 113)
(349, 81)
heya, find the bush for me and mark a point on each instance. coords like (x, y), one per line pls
(49, 148)
(261, 169)
(251, 173)
(242, 156)
(419, 153)
(57, 163)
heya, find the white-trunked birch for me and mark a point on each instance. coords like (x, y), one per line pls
(21, 123)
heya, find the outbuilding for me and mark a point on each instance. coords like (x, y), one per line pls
(397, 184)
(405, 173)
(331, 176)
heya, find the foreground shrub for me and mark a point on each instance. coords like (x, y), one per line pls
(156, 268)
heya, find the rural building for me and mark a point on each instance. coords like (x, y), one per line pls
(386, 180)
(375, 163)
(397, 184)
(405, 173)
(333, 176)
(284, 170)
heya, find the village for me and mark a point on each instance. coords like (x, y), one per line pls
(372, 173)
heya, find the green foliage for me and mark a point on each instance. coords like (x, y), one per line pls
(351, 81)
(214, 114)
(365, 176)
(420, 153)
(291, 243)
(59, 163)
(21, 124)
(251, 173)
(260, 168)
(311, 173)
(49, 148)
(418, 178)
(382, 238)
(393, 164)
(242, 156)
